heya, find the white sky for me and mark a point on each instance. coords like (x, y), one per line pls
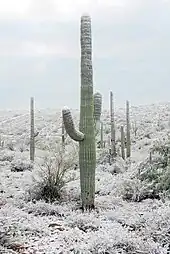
(49, 9)
(40, 48)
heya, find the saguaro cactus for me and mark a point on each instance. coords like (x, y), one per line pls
(97, 110)
(101, 136)
(32, 134)
(86, 133)
(122, 142)
(63, 135)
(113, 138)
(128, 143)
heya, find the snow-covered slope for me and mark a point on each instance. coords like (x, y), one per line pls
(118, 224)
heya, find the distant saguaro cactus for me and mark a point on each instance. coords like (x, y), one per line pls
(128, 141)
(63, 134)
(97, 110)
(32, 134)
(135, 128)
(122, 143)
(86, 133)
(150, 157)
(101, 136)
(113, 134)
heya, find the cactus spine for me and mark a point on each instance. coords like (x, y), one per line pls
(86, 133)
(128, 143)
(122, 143)
(113, 138)
(32, 134)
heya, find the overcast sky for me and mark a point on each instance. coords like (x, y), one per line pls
(40, 51)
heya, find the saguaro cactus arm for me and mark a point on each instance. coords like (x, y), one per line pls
(76, 135)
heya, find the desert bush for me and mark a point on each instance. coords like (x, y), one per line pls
(103, 156)
(136, 191)
(51, 176)
(19, 165)
(44, 209)
(22, 145)
(152, 178)
(7, 236)
(107, 130)
(10, 146)
(6, 156)
(85, 222)
(157, 171)
(163, 150)
(119, 166)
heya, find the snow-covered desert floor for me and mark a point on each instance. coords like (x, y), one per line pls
(128, 217)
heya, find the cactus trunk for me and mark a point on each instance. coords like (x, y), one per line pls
(86, 133)
(87, 148)
(32, 136)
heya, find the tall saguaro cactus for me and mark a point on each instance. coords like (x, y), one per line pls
(113, 135)
(128, 143)
(32, 134)
(86, 133)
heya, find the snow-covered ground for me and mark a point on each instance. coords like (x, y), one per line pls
(118, 224)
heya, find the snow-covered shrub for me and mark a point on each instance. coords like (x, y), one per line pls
(152, 179)
(51, 177)
(19, 165)
(118, 166)
(43, 209)
(6, 156)
(7, 236)
(10, 146)
(157, 171)
(107, 130)
(103, 156)
(22, 146)
(85, 222)
(136, 190)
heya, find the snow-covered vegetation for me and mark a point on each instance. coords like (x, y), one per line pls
(40, 203)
